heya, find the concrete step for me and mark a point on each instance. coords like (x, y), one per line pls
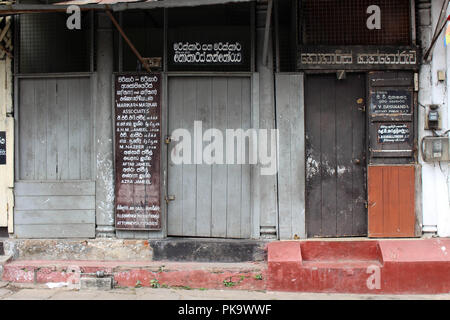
(248, 276)
(419, 266)
(4, 259)
(208, 250)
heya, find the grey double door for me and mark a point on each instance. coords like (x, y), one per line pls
(209, 200)
(335, 156)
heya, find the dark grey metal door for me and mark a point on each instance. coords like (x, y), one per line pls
(335, 156)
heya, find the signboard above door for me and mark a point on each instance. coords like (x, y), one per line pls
(357, 58)
(209, 49)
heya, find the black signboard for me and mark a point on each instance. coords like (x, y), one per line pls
(357, 58)
(137, 158)
(393, 133)
(2, 147)
(203, 53)
(391, 102)
(391, 117)
(209, 49)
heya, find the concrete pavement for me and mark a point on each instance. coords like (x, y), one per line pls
(10, 291)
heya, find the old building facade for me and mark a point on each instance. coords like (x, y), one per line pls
(114, 121)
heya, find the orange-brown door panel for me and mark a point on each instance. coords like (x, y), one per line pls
(391, 204)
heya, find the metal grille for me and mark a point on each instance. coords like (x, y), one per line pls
(208, 24)
(343, 22)
(47, 45)
(145, 29)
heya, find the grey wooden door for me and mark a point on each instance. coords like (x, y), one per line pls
(210, 200)
(55, 190)
(335, 156)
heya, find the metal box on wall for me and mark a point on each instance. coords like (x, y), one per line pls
(435, 149)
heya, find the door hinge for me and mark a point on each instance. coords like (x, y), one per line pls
(366, 204)
(169, 198)
(416, 82)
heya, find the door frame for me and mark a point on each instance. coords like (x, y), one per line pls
(365, 75)
(254, 171)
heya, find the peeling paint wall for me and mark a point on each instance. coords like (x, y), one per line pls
(6, 124)
(435, 176)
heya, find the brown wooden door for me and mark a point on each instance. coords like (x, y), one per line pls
(391, 201)
(335, 156)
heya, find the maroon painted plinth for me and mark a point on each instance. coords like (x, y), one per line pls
(419, 266)
(405, 266)
(246, 276)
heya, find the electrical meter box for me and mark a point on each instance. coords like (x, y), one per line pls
(435, 149)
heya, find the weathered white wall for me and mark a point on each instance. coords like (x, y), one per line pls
(435, 176)
(6, 124)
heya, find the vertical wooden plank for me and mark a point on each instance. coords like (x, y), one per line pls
(391, 197)
(328, 156)
(40, 130)
(406, 180)
(375, 200)
(255, 194)
(10, 154)
(298, 157)
(245, 231)
(175, 172)
(189, 174)
(345, 105)
(234, 171)
(359, 193)
(291, 174)
(219, 172)
(74, 100)
(313, 156)
(52, 133)
(284, 125)
(85, 130)
(62, 129)
(204, 181)
(26, 110)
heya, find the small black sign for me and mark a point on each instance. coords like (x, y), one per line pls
(391, 101)
(2, 147)
(393, 133)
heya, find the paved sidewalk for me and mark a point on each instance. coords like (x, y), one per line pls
(39, 292)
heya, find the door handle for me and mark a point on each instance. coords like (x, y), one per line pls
(357, 161)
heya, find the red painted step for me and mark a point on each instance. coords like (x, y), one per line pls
(383, 266)
(419, 266)
(248, 276)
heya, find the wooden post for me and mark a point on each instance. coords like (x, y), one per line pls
(104, 187)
